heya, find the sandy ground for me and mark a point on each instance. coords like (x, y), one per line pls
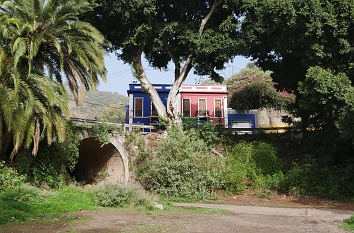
(241, 219)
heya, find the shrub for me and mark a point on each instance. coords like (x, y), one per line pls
(48, 167)
(207, 131)
(9, 178)
(182, 166)
(252, 165)
(310, 178)
(112, 195)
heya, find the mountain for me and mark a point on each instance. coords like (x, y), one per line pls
(94, 103)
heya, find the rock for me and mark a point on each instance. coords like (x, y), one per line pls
(158, 206)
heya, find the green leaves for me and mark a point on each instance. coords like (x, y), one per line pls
(253, 88)
(324, 97)
(288, 37)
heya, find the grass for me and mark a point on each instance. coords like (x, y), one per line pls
(348, 224)
(29, 203)
(169, 207)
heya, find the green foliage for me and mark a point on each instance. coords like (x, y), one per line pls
(52, 163)
(251, 165)
(189, 123)
(102, 132)
(207, 131)
(112, 195)
(9, 178)
(348, 224)
(259, 95)
(182, 166)
(288, 37)
(71, 146)
(328, 181)
(43, 42)
(173, 35)
(253, 88)
(324, 97)
(47, 168)
(114, 113)
(29, 202)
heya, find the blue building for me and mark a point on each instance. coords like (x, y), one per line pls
(140, 109)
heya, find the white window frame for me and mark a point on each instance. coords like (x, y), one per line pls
(190, 106)
(222, 115)
(206, 104)
(142, 107)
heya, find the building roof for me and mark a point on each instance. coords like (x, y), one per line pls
(136, 87)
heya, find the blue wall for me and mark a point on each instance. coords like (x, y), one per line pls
(135, 90)
(246, 117)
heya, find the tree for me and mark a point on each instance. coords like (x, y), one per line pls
(42, 40)
(325, 98)
(31, 107)
(47, 35)
(199, 34)
(114, 113)
(253, 88)
(290, 36)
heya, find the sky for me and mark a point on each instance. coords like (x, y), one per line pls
(120, 75)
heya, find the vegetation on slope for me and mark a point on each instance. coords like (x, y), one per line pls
(94, 103)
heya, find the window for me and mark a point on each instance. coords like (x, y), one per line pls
(217, 108)
(186, 107)
(202, 107)
(138, 107)
(153, 110)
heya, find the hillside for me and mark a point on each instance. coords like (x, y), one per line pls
(94, 103)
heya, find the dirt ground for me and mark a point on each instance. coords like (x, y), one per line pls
(240, 219)
(251, 197)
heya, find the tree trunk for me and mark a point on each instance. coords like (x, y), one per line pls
(180, 77)
(170, 114)
(149, 89)
(172, 101)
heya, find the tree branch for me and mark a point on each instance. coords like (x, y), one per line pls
(172, 110)
(208, 16)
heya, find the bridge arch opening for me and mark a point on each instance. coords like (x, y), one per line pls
(98, 164)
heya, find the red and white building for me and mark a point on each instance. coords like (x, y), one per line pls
(204, 102)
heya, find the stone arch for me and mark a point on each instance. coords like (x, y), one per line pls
(111, 159)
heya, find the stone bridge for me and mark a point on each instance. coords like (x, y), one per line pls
(99, 164)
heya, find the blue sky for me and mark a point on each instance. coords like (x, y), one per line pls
(120, 74)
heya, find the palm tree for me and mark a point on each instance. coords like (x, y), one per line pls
(43, 42)
(51, 38)
(31, 107)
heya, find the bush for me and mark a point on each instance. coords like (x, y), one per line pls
(48, 167)
(9, 178)
(52, 163)
(182, 166)
(207, 131)
(253, 165)
(310, 178)
(112, 195)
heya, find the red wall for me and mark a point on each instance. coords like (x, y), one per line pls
(210, 103)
